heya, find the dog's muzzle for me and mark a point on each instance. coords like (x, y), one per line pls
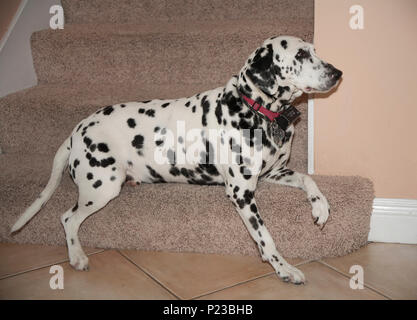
(333, 75)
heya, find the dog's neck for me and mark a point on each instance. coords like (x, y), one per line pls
(284, 97)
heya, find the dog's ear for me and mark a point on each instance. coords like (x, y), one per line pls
(262, 70)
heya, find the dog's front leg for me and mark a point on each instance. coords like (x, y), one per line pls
(291, 178)
(241, 192)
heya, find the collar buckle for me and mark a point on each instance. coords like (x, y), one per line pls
(287, 117)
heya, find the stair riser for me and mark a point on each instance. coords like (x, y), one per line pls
(110, 11)
(142, 58)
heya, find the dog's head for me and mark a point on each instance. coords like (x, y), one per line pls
(289, 62)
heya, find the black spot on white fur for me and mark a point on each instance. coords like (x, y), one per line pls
(108, 110)
(102, 147)
(131, 122)
(97, 184)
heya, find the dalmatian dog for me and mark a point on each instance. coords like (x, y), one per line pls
(121, 142)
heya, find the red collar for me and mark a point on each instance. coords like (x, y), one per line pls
(257, 107)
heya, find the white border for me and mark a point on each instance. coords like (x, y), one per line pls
(12, 23)
(310, 133)
(394, 220)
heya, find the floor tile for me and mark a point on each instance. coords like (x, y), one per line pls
(322, 283)
(17, 258)
(389, 268)
(190, 275)
(111, 276)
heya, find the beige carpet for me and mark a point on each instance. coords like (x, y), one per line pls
(112, 52)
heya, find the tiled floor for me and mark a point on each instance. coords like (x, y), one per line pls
(389, 272)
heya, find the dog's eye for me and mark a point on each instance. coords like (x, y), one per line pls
(302, 54)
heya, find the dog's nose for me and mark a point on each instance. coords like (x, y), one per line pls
(336, 74)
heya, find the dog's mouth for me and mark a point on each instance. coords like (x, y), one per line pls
(320, 89)
(311, 90)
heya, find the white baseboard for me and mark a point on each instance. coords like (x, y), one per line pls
(310, 128)
(394, 220)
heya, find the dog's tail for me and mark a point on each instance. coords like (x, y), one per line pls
(60, 163)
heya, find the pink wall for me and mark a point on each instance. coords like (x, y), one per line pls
(368, 127)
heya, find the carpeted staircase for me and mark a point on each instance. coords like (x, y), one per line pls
(118, 51)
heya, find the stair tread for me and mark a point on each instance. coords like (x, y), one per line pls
(142, 218)
(100, 94)
(239, 27)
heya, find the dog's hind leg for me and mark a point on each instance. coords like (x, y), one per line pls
(90, 200)
(291, 178)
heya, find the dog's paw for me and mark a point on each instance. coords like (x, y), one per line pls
(79, 262)
(321, 209)
(288, 273)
